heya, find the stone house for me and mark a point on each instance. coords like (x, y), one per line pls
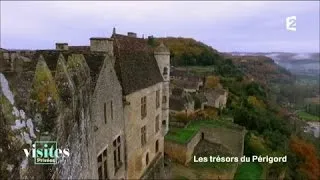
(216, 97)
(200, 101)
(181, 102)
(143, 74)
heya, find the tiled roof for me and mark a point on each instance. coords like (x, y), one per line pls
(135, 64)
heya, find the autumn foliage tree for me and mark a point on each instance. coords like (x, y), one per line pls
(308, 163)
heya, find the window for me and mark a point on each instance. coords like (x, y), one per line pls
(143, 136)
(147, 158)
(157, 124)
(117, 153)
(143, 107)
(164, 99)
(103, 165)
(105, 112)
(157, 99)
(164, 122)
(165, 71)
(157, 146)
(111, 110)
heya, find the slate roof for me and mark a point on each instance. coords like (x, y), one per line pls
(212, 95)
(201, 97)
(135, 64)
(176, 103)
(95, 63)
(177, 92)
(185, 84)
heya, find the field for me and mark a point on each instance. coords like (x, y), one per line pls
(307, 117)
(248, 171)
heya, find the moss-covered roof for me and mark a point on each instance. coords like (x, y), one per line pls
(135, 64)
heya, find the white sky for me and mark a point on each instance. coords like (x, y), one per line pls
(226, 26)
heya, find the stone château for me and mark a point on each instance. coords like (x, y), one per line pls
(108, 103)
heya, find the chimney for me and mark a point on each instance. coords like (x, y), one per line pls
(132, 34)
(114, 31)
(99, 44)
(62, 46)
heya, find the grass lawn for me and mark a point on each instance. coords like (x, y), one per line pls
(307, 117)
(212, 123)
(249, 171)
(183, 135)
(180, 135)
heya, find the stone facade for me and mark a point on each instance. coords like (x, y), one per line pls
(107, 115)
(137, 153)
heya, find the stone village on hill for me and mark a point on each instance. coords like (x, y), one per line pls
(108, 103)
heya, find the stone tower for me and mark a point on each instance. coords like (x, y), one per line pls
(162, 55)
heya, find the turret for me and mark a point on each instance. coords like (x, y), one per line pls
(162, 55)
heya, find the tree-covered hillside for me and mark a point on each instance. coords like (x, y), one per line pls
(257, 87)
(187, 51)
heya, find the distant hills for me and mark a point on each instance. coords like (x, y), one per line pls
(297, 63)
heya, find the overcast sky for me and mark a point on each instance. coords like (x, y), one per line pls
(226, 26)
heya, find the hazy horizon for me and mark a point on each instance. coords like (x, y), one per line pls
(250, 27)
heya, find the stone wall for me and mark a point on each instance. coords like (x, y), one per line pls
(156, 168)
(232, 139)
(182, 152)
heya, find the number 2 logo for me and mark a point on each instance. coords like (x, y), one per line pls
(291, 23)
